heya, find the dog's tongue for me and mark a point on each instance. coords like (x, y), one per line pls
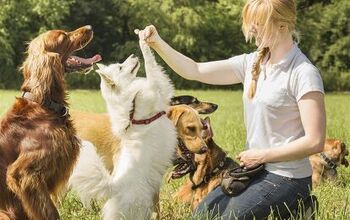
(87, 61)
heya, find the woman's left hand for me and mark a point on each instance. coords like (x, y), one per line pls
(252, 158)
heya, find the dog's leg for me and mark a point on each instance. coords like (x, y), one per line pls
(26, 180)
(155, 74)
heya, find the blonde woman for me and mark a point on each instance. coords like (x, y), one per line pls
(284, 111)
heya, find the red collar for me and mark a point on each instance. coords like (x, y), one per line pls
(148, 120)
(143, 121)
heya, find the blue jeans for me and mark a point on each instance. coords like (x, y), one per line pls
(267, 193)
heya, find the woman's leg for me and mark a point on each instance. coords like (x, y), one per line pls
(268, 192)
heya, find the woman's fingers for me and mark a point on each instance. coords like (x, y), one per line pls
(148, 34)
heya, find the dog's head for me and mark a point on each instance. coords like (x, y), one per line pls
(337, 151)
(118, 76)
(49, 56)
(199, 106)
(189, 127)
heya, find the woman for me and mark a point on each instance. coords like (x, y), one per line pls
(284, 109)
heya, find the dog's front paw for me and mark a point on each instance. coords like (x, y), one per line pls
(144, 46)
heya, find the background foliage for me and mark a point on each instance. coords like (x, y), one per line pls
(202, 29)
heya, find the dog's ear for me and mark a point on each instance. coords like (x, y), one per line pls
(175, 113)
(345, 162)
(207, 128)
(101, 67)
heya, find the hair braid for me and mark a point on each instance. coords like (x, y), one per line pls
(256, 71)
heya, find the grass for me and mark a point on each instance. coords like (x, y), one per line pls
(229, 133)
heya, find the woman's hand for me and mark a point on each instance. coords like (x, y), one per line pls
(149, 34)
(252, 158)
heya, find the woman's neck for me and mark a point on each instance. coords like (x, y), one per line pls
(280, 49)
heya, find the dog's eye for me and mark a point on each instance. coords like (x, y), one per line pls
(191, 128)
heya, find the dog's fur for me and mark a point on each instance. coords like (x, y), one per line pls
(336, 151)
(38, 147)
(210, 167)
(145, 151)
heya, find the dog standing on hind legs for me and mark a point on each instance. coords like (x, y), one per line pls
(38, 144)
(137, 108)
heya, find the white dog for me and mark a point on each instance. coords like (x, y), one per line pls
(137, 108)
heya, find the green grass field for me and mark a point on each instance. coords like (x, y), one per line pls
(229, 133)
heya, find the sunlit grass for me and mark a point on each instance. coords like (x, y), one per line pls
(229, 133)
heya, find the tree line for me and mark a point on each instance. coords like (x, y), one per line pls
(201, 29)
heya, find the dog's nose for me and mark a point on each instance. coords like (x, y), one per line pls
(215, 106)
(88, 27)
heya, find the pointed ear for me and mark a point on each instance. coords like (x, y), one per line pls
(207, 126)
(175, 113)
(106, 78)
(207, 120)
(100, 66)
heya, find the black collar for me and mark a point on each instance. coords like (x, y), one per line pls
(328, 161)
(59, 109)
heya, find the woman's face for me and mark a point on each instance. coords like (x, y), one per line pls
(255, 31)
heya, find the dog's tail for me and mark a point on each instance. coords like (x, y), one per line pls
(90, 178)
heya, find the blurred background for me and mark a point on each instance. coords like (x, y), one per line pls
(201, 29)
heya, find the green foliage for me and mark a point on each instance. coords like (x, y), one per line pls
(203, 30)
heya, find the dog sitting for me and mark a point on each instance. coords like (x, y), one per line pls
(38, 144)
(324, 164)
(209, 168)
(137, 109)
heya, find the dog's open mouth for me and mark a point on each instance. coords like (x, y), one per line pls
(136, 68)
(75, 63)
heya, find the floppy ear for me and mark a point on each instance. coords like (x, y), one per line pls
(42, 72)
(345, 162)
(175, 113)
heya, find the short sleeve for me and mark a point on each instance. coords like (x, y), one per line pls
(307, 79)
(239, 65)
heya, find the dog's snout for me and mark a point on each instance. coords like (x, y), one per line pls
(88, 27)
(215, 106)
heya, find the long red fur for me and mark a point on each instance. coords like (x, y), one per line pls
(38, 148)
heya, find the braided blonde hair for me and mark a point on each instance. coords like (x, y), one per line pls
(256, 71)
(270, 16)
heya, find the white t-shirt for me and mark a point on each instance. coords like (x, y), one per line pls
(272, 117)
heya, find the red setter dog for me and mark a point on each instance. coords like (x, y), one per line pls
(38, 146)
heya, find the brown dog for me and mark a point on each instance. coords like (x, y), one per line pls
(324, 164)
(209, 168)
(38, 144)
(96, 128)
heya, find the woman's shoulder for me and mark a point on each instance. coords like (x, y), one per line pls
(302, 65)
(247, 58)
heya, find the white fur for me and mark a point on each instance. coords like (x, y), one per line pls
(146, 150)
